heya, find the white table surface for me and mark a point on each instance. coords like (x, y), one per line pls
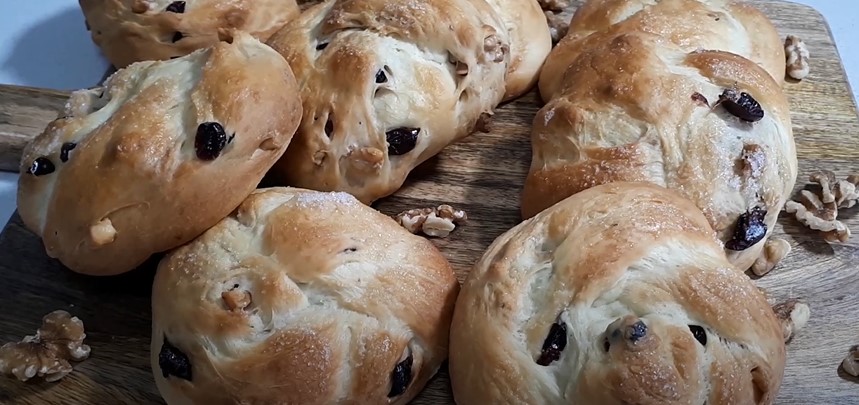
(45, 44)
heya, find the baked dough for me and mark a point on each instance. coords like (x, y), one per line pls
(636, 298)
(129, 31)
(628, 105)
(301, 297)
(160, 154)
(388, 84)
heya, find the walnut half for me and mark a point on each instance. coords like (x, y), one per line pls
(796, 55)
(437, 222)
(775, 249)
(47, 353)
(793, 316)
(820, 212)
(851, 362)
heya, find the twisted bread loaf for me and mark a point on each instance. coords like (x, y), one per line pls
(636, 93)
(620, 294)
(129, 31)
(158, 155)
(301, 297)
(387, 84)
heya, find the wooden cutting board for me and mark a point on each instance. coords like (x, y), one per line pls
(484, 175)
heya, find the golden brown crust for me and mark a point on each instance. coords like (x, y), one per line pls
(388, 84)
(130, 31)
(133, 184)
(627, 105)
(339, 295)
(600, 262)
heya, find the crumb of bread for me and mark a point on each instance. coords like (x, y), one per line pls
(437, 222)
(775, 249)
(793, 315)
(48, 352)
(796, 55)
(820, 212)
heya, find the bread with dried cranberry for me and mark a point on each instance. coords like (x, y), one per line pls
(130, 31)
(684, 94)
(620, 294)
(388, 84)
(158, 155)
(301, 297)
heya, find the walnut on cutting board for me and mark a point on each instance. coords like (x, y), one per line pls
(437, 222)
(796, 57)
(820, 212)
(48, 352)
(775, 249)
(793, 315)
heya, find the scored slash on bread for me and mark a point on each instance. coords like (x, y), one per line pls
(158, 155)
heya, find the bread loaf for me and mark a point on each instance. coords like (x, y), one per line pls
(158, 155)
(681, 93)
(620, 294)
(388, 84)
(301, 297)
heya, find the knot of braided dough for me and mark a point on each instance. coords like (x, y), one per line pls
(388, 84)
(625, 104)
(301, 297)
(158, 155)
(620, 294)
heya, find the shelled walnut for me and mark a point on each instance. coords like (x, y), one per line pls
(796, 57)
(775, 249)
(793, 315)
(48, 352)
(820, 212)
(851, 362)
(437, 222)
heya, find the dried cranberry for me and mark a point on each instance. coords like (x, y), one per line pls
(402, 140)
(699, 334)
(750, 229)
(381, 77)
(637, 331)
(741, 105)
(173, 362)
(401, 377)
(176, 7)
(211, 139)
(554, 344)
(177, 36)
(41, 166)
(65, 149)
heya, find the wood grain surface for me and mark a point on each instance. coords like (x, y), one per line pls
(483, 175)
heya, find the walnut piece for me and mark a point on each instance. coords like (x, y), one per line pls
(775, 249)
(851, 362)
(236, 299)
(437, 222)
(558, 26)
(754, 159)
(796, 55)
(821, 212)
(47, 353)
(793, 316)
(557, 6)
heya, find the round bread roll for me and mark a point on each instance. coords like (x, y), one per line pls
(632, 106)
(129, 31)
(388, 84)
(158, 155)
(620, 294)
(301, 297)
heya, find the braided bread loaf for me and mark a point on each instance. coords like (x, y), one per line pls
(620, 294)
(388, 84)
(682, 93)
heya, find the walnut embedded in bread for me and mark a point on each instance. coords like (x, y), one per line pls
(301, 297)
(139, 30)
(47, 353)
(389, 84)
(619, 294)
(717, 127)
(159, 154)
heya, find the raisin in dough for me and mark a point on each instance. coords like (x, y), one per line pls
(625, 104)
(301, 297)
(620, 294)
(388, 84)
(129, 31)
(160, 154)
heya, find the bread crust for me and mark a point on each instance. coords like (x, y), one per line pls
(129, 31)
(628, 105)
(389, 84)
(133, 183)
(337, 295)
(599, 262)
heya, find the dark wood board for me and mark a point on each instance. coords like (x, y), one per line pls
(483, 175)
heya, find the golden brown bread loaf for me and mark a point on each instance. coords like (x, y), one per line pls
(388, 84)
(620, 294)
(634, 94)
(159, 154)
(301, 297)
(130, 31)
